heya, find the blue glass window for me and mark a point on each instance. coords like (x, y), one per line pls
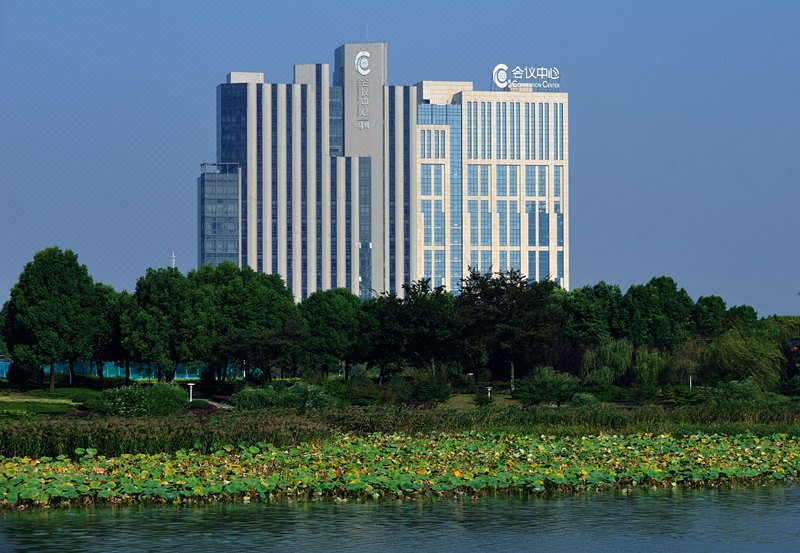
(438, 225)
(469, 130)
(559, 224)
(425, 187)
(531, 265)
(512, 180)
(544, 225)
(502, 216)
(530, 180)
(561, 134)
(427, 223)
(473, 261)
(542, 180)
(547, 131)
(437, 179)
(488, 130)
(486, 224)
(498, 141)
(427, 270)
(527, 131)
(439, 267)
(422, 145)
(541, 131)
(502, 172)
(557, 181)
(472, 180)
(530, 209)
(484, 180)
(503, 261)
(513, 217)
(514, 261)
(472, 209)
(544, 265)
(486, 261)
(560, 267)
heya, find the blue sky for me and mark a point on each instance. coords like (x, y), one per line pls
(684, 123)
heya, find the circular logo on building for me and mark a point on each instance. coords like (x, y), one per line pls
(500, 75)
(362, 63)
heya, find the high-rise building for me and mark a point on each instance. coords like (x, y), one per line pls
(218, 222)
(360, 184)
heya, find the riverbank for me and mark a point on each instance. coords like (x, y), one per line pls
(386, 466)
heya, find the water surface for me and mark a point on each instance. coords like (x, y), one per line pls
(750, 519)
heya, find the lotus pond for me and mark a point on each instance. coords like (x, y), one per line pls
(391, 466)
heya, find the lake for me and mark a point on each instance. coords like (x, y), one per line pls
(745, 519)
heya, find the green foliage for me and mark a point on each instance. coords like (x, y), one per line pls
(142, 400)
(36, 437)
(482, 399)
(608, 362)
(738, 355)
(647, 367)
(300, 396)
(428, 387)
(20, 372)
(583, 399)
(709, 314)
(334, 323)
(744, 391)
(199, 404)
(47, 318)
(463, 464)
(546, 386)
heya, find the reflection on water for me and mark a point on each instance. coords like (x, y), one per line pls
(752, 519)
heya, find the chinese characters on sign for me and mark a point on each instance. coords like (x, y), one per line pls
(362, 105)
(528, 77)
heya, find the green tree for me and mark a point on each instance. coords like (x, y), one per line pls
(385, 334)
(708, 315)
(102, 319)
(47, 317)
(738, 355)
(433, 331)
(509, 321)
(593, 314)
(164, 327)
(235, 307)
(657, 314)
(334, 328)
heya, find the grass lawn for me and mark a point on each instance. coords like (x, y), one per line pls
(42, 402)
(465, 401)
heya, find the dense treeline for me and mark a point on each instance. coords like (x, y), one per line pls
(236, 322)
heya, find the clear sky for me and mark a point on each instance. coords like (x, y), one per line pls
(684, 127)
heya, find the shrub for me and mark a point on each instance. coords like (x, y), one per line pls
(252, 398)
(199, 404)
(482, 399)
(583, 398)
(430, 388)
(546, 386)
(360, 390)
(397, 390)
(300, 396)
(19, 373)
(139, 400)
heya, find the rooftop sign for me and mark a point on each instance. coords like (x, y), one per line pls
(528, 77)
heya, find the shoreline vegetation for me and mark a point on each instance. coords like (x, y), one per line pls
(400, 466)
